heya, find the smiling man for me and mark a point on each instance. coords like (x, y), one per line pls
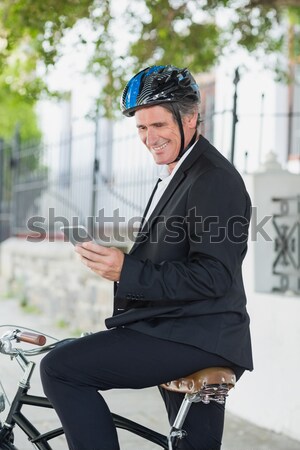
(179, 303)
(160, 133)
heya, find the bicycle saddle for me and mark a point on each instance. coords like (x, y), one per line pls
(199, 380)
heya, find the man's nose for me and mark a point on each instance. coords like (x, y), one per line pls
(151, 138)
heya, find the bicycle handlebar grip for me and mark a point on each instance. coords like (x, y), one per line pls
(31, 338)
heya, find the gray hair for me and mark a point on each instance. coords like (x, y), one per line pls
(185, 108)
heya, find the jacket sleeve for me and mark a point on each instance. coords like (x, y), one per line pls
(216, 225)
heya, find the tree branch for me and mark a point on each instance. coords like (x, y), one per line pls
(275, 3)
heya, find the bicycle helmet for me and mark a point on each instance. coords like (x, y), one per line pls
(158, 84)
(161, 84)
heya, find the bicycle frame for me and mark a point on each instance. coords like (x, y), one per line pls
(16, 418)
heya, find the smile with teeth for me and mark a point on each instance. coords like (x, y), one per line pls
(161, 147)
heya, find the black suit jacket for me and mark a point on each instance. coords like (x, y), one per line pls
(182, 279)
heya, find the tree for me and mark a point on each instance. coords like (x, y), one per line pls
(177, 29)
(16, 110)
(30, 33)
(184, 32)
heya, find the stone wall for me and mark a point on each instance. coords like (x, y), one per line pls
(49, 276)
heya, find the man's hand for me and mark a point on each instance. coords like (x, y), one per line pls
(104, 261)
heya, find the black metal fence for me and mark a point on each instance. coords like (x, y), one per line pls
(75, 181)
(103, 176)
(5, 190)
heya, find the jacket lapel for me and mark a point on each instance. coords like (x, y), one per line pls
(148, 205)
(169, 192)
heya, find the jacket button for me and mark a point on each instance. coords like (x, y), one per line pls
(128, 297)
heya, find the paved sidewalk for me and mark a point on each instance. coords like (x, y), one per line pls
(238, 435)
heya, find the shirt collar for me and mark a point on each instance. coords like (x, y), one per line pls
(164, 172)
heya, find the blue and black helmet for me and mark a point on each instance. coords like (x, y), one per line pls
(156, 85)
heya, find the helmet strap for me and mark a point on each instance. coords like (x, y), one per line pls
(192, 141)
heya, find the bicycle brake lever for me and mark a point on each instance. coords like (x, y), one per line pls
(6, 342)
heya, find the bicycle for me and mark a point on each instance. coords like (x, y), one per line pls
(212, 384)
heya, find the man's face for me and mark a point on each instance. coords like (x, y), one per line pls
(160, 132)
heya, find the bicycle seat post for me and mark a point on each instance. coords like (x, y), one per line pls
(211, 384)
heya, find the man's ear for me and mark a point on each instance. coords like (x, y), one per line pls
(191, 120)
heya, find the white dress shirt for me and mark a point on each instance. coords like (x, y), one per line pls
(165, 177)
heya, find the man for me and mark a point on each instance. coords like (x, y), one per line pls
(179, 301)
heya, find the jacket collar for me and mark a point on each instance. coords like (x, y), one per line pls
(179, 176)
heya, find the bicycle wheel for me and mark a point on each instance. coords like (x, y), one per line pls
(7, 440)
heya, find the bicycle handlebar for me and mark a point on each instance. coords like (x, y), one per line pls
(31, 338)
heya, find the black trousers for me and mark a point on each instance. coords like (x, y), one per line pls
(120, 358)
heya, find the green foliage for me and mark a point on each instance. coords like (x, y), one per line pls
(187, 31)
(29, 309)
(181, 32)
(172, 36)
(294, 15)
(30, 32)
(17, 110)
(38, 26)
(62, 323)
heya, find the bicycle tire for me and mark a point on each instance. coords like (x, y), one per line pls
(7, 441)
